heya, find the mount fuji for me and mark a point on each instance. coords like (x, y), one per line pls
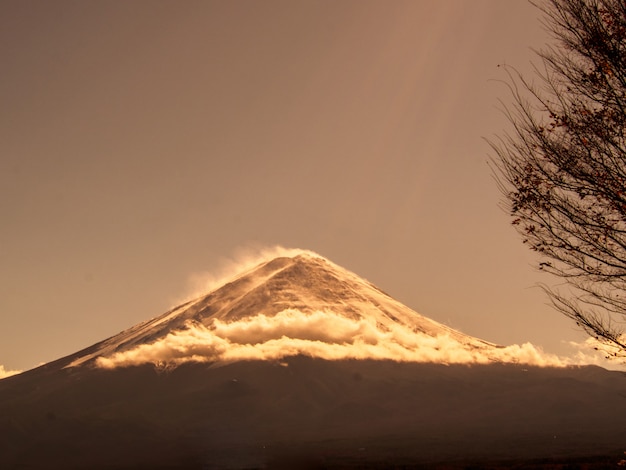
(299, 304)
(299, 363)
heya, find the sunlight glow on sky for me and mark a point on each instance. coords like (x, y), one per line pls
(144, 143)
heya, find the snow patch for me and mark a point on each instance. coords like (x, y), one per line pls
(240, 264)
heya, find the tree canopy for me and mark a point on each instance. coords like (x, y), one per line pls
(562, 167)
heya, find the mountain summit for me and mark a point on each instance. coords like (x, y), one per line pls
(296, 305)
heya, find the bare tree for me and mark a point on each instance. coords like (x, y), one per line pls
(562, 167)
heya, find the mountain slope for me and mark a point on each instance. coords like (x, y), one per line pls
(302, 304)
(312, 413)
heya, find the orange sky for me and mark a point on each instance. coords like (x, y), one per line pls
(143, 142)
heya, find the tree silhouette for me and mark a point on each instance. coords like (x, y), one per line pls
(562, 167)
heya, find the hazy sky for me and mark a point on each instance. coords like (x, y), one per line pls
(142, 143)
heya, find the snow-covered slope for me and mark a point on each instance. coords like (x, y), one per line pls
(300, 304)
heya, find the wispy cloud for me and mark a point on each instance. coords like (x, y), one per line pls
(593, 351)
(7, 373)
(323, 335)
(242, 261)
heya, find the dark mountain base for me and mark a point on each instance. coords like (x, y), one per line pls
(310, 413)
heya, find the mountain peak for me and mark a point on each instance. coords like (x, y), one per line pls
(297, 303)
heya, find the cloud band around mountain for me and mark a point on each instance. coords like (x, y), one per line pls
(323, 335)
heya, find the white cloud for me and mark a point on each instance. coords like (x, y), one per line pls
(593, 351)
(243, 260)
(323, 335)
(7, 373)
